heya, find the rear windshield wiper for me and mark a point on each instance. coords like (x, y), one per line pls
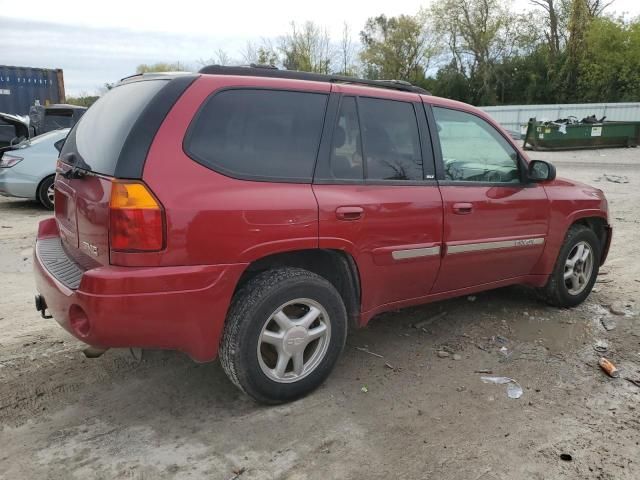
(79, 168)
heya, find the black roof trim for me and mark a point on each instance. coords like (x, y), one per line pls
(134, 152)
(272, 72)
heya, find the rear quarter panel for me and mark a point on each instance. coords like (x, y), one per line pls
(214, 219)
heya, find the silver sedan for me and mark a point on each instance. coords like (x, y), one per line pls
(29, 170)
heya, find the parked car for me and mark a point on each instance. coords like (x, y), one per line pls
(13, 130)
(54, 117)
(255, 214)
(28, 170)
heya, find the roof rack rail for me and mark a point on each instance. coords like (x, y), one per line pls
(257, 70)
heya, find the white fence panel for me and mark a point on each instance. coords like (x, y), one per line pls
(513, 116)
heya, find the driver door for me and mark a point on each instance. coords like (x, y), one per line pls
(495, 224)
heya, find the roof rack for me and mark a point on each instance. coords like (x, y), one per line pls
(256, 70)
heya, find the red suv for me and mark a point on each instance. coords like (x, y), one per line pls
(257, 214)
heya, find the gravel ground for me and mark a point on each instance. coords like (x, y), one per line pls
(410, 414)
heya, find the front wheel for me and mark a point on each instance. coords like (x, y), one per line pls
(576, 268)
(285, 331)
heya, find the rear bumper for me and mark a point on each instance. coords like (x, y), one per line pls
(15, 184)
(178, 308)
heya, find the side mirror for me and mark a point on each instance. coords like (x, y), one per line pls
(59, 144)
(541, 171)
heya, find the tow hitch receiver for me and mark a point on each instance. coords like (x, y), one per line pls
(41, 306)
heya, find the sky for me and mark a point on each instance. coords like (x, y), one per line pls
(105, 42)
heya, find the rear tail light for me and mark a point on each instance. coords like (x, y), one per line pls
(136, 218)
(9, 160)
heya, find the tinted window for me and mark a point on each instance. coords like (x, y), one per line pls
(473, 151)
(259, 133)
(346, 148)
(55, 121)
(391, 140)
(101, 132)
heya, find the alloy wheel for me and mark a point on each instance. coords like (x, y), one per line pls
(578, 268)
(294, 340)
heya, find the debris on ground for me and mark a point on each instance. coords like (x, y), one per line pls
(608, 367)
(424, 323)
(472, 298)
(608, 323)
(486, 371)
(601, 346)
(613, 178)
(362, 349)
(237, 473)
(443, 354)
(631, 380)
(617, 308)
(566, 457)
(514, 390)
(364, 389)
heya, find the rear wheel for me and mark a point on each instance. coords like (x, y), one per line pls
(45, 193)
(576, 268)
(285, 331)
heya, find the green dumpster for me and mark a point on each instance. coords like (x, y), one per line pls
(553, 136)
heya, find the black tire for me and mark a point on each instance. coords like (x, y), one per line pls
(42, 193)
(556, 292)
(252, 306)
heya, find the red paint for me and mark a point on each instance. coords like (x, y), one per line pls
(215, 226)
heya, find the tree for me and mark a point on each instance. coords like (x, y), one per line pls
(609, 70)
(307, 49)
(597, 7)
(400, 48)
(579, 21)
(82, 100)
(263, 54)
(480, 34)
(220, 57)
(347, 53)
(553, 34)
(161, 67)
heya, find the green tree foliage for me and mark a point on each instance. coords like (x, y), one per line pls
(481, 34)
(477, 51)
(609, 68)
(162, 67)
(400, 48)
(83, 100)
(307, 49)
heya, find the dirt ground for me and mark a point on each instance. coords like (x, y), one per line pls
(409, 414)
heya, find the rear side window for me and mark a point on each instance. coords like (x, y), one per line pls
(259, 134)
(391, 140)
(346, 150)
(101, 132)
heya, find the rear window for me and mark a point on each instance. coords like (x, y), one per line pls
(58, 120)
(259, 134)
(101, 132)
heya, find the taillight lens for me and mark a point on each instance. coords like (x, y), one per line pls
(9, 160)
(136, 218)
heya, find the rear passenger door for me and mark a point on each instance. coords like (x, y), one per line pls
(495, 223)
(377, 195)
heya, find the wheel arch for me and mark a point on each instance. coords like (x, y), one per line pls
(599, 225)
(594, 219)
(336, 266)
